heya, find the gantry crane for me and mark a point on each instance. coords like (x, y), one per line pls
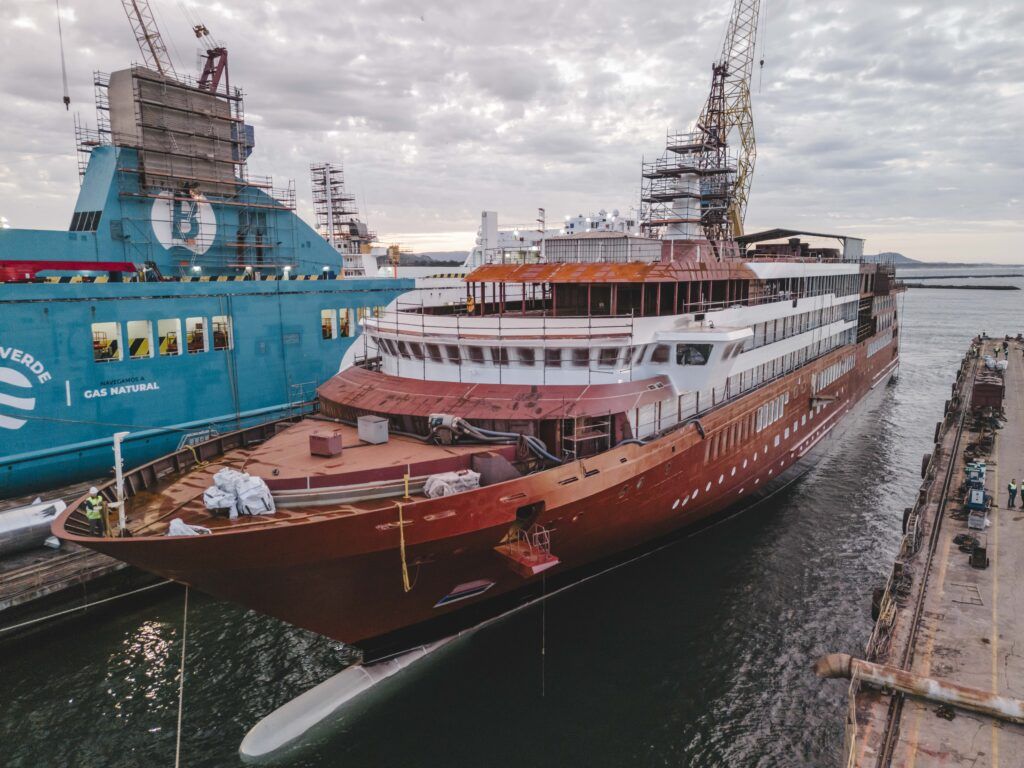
(147, 35)
(728, 107)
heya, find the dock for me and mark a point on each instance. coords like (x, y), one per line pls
(941, 680)
(42, 587)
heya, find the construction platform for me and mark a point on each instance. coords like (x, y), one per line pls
(43, 587)
(943, 672)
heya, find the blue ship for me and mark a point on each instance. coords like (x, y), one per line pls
(186, 299)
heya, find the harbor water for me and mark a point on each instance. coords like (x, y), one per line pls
(697, 654)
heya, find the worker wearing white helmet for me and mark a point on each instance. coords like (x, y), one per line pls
(95, 506)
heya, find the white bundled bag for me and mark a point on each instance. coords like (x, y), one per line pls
(227, 478)
(217, 499)
(254, 497)
(448, 483)
(179, 527)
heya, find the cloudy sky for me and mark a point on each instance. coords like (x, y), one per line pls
(899, 121)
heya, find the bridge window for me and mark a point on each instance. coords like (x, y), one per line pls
(660, 354)
(168, 334)
(693, 354)
(328, 324)
(499, 355)
(607, 357)
(403, 350)
(453, 353)
(526, 355)
(140, 339)
(222, 332)
(434, 353)
(106, 342)
(581, 357)
(476, 355)
(345, 327)
(553, 358)
(417, 349)
(195, 335)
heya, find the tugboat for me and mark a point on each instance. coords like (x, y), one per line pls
(615, 390)
(186, 298)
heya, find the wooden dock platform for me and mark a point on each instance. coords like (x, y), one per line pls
(943, 616)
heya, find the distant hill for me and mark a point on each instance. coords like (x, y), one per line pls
(897, 258)
(433, 259)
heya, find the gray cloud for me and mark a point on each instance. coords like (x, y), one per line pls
(896, 119)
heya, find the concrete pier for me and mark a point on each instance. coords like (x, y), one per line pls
(942, 617)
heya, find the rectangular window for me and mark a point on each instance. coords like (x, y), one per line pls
(553, 358)
(607, 357)
(417, 349)
(453, 353)
(345, 326)
(221, 325)
(106, 342)
(195, 335)
(476, 354)
(581, 357)
(168, 333)
(660, 354)
(527, 356)
(328, 324)
(403, 350)
(387, 346)
(499, 355)
(692, 354)
(140, 339)
(434, 353)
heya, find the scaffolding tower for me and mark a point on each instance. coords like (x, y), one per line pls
(337, 218)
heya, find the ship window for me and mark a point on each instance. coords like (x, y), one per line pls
(608, 356)
(168, 334)
(417, 349)
(693, 354)
(553, 358)
(140, 339)
(195, 335)
(476, 354)
(453, 353)
(345, 328)
(402, 349)
(387, 346)
(434, 353)
(660, 354)
(106, 342)
(328, 324)
(221, 325)
(581, 357)
(527, 356)
(499, 355)
(638, 354)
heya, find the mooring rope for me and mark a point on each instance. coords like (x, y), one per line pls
(181, 681)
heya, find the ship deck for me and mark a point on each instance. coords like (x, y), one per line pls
(957, 623)
(286, 463)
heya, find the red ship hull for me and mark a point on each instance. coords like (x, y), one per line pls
(342, 576)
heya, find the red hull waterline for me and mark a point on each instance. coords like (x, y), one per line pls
(342, 576)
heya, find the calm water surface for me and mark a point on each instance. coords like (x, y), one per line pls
(696, 655)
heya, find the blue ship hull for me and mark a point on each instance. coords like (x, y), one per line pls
(59, 428)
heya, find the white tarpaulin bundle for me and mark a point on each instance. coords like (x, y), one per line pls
(239, 493)
(447, 483)
(179, 527)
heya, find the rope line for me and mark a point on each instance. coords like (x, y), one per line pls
(40, 619)
(181, 681)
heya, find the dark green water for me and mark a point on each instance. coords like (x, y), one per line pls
(697, 655)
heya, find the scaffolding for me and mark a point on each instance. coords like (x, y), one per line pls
(337, 218)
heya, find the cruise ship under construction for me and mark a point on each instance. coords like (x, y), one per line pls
(608, 392)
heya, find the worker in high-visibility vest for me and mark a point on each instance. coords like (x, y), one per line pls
(95, 507)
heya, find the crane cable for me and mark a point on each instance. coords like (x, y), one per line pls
(764, 37)
(63, 63)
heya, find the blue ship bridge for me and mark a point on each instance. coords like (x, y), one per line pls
(165, 312)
